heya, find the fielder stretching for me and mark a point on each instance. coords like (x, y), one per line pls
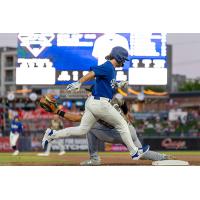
(105, 132)
(98, 105)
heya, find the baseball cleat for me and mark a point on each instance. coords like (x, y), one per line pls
(91, 162)
(61, 153)
(141, 151)
(46, 139)
(15, 153)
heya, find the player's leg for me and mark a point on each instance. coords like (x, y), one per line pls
(112, 136)
(150, 155)
(106, 134)
(94, 136)
(93, 143)
(110, 115)
(99, 133)
(86, 124)
(155, 156)
(13, 142)
(47, 151)
(87, 121)
(61, 147)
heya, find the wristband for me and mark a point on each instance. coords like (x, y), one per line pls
(61, 113)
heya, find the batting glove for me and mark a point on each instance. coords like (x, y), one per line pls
(122, 84)
(74, 86)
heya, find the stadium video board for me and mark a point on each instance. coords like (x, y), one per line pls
(61, 58)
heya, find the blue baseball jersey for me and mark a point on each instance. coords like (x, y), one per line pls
(16, 127)
(105, 80)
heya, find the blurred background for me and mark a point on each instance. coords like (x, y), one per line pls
(163, 96)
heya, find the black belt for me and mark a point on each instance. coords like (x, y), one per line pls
(98, 98)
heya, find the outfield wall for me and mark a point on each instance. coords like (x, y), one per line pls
(80, 144)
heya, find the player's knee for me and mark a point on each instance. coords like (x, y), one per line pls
(84, 130)
(90, 133)
(122, 128)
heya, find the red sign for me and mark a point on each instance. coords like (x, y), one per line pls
(5, 144)
(115, 147)
(38, 113)
(168, 143)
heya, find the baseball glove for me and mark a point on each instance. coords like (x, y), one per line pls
(48, 103)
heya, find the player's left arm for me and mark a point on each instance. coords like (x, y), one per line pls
(49, 104)
(76, 85)
(68, 116)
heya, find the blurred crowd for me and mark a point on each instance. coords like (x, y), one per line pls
(152, 124)
(189, 125)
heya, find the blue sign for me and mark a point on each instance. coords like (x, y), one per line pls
(62, 58)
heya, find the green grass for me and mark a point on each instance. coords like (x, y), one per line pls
(29, 158)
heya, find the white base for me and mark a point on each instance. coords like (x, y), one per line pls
(170, 163)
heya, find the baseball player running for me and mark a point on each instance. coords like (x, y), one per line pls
(105, 132)
(98, 105)
(16, 129)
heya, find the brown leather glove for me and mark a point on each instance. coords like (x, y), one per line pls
(48, 103)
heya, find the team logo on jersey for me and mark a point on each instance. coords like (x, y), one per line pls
(14, 126)
(113, 83)
(36, 42)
